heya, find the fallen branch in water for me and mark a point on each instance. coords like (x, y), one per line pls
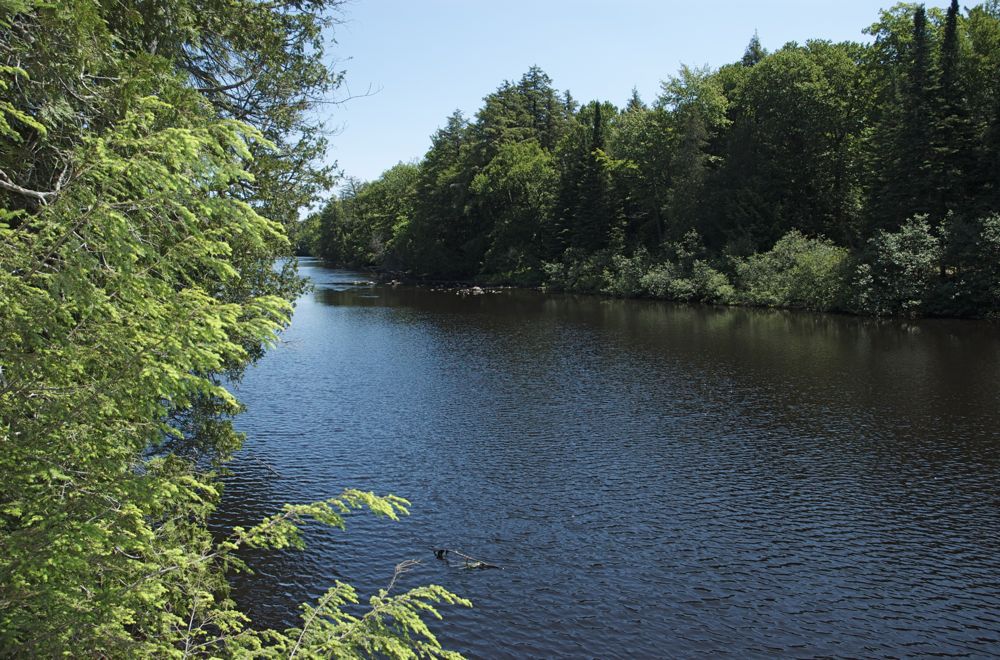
(467, 561)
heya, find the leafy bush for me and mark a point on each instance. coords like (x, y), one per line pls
(899, 272)
(623, 278)
(797, 272)
(703, 283)
(972, 253)
(710, 285)
(659, 280)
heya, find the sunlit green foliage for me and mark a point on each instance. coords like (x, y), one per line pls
(578, 271)
(140, 222)
(514, 194)
(900, 269)
(624, 277)
(798, 271)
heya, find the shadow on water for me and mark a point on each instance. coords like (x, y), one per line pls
(657, 478)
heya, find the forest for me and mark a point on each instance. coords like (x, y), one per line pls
(853, 177)
(153, 154)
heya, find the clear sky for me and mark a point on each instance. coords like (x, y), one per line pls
(423, 59)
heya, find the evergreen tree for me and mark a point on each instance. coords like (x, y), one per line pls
(597, 129)
(908, 185)
(530, 109)
(789, 144)
(641, 138)
(542, 106)
(441, 239)
(916, 144)
(990, 162)
(329, 239)
(593, 211)
(136, 272)
(516, 191)
(754, 52)
(955, 140)
(635, 103)
(569, 103)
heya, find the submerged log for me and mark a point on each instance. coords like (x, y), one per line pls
(443, 554)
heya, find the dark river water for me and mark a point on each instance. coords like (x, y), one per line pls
(655, 480)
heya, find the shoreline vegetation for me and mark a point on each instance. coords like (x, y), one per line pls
(789, 281)
(155, 154)
(153, 158)
(845, 177)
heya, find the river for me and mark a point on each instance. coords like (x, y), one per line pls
(655, 479)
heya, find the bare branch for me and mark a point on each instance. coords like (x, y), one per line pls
(42, 197)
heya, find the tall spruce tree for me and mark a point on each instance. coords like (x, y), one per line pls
(990, 162)
(916, 145)
(634, 103)
(955, 140)
(754, 52)
(592, 215)
(906, 169)
(440, 237)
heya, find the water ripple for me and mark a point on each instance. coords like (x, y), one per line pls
(657, 480)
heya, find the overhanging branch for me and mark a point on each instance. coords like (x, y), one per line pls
(41, 197)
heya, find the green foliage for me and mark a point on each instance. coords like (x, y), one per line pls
(899, 272)
(754, 52)
(972, 286)
(641, 141)
(684, 277)
(797, 272)
(515, 195)
(529, 109)
(586, 206)
(695, 91)
(576, 271)
(10, 112)
(789, 161)
(441, 238)
(659, 281)
(623, 278)
(140, 217)
(393, 626)
(283, 529)
(363, 226)
(701, 284)
(707, 284)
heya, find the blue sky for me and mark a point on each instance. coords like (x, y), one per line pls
(422, 59)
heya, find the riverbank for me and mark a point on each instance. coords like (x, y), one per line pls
(896, 278)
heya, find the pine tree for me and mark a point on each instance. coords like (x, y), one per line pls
(991, 161)
(597, 130)
(569, 103)
(635, 102)
(917, 138)
(955, 141)
(907, 176)
(754, 52)
(542, 107)
(584, 200)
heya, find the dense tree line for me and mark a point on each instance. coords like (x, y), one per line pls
(152, 155)
(832, 176)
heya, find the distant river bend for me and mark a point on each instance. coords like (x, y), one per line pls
(656, 480)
